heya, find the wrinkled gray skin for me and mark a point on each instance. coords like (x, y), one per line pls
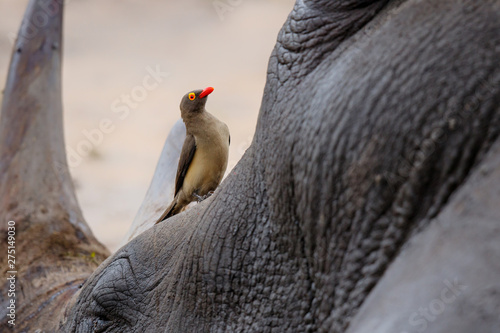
(372, 185)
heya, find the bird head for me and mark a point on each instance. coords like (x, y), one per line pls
(194, 101)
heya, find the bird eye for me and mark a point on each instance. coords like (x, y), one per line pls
(192, 96)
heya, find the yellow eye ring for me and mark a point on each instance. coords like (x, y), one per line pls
(192, 96)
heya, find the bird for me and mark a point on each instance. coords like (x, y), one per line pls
(204, 155)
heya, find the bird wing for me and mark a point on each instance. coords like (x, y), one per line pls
(187, 153)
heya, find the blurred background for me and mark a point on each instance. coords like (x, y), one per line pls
(129, 62)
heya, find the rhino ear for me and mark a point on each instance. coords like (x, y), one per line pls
(161, 190)
(36, 191)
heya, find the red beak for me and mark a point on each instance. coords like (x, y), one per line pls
(206, 92)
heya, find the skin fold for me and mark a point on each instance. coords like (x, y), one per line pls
(367, 201)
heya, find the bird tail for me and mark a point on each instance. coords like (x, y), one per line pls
(169, 212)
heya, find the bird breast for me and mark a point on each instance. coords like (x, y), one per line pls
(210, 159)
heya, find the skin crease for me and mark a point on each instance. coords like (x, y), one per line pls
(370, 186)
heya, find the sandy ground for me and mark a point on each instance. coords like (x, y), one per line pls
(110, 49)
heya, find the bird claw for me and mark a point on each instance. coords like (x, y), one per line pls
(201, 198)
